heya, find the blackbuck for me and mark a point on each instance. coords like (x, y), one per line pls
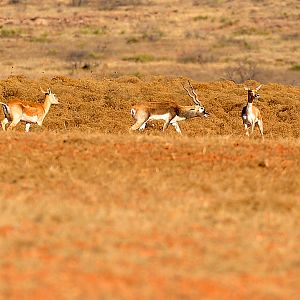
(169, 112)
(28, 112)
(251, 114)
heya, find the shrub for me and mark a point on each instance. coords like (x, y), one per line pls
(79, 2)
(228, 22)
(93, 31)
(9, 32)
(295, 67)
(211, 3)
(132, 40)
(198, 57)
(195, 34)
(250, 31)
(113, 4)
(152, 35)
(149, 31)
(242, 71)
(77, 55)
(141, 58)
(200, 18)
(43, 38)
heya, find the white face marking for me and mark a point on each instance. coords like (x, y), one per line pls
(53, 98)
(201, 109)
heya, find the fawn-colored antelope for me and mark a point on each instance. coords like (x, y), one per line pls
(28, 112)
(251, 114)
(170, 112)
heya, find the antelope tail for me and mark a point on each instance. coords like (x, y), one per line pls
(133, 112)
(5, 110)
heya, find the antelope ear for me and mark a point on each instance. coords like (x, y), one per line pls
(258, 88)
(49, 91)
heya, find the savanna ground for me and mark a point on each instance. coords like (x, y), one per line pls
(89, 211)
(205, 40)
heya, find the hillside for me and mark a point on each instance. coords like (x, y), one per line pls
(204, 40)
(103, 106)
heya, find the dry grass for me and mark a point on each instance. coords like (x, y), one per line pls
(104, 105)
(137, 217)
(89, 211)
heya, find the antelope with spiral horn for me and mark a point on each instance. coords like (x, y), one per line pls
(16, 111)
(251, 114)
(169, 112)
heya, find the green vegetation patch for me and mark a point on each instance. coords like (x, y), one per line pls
(42, 38)
(95, 55)
(88, 30)
(250, 31)
(200, 18)
(295, 67)
(141, 58)
(132, 40)
(10, 32)
(228, 22)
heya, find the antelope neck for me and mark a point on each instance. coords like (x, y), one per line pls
(249, 107)
(47, 104)
(250, 97)
(186, 112)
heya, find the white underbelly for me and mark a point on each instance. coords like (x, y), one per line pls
(31, 119)
(164, 117)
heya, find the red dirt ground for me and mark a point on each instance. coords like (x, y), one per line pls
(116, 217)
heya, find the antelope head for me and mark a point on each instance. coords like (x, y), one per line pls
(253, 94)
(198, 107)
(52, 97)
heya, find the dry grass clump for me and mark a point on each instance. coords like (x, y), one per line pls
(104, 105)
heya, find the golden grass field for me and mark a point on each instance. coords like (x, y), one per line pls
(91, 211)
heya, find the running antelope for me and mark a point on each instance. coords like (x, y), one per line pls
(170, 112)
(251, 114)
(28, 112)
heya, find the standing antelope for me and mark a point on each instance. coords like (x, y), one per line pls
(28, 112)
(170, 112)
(251, 114)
